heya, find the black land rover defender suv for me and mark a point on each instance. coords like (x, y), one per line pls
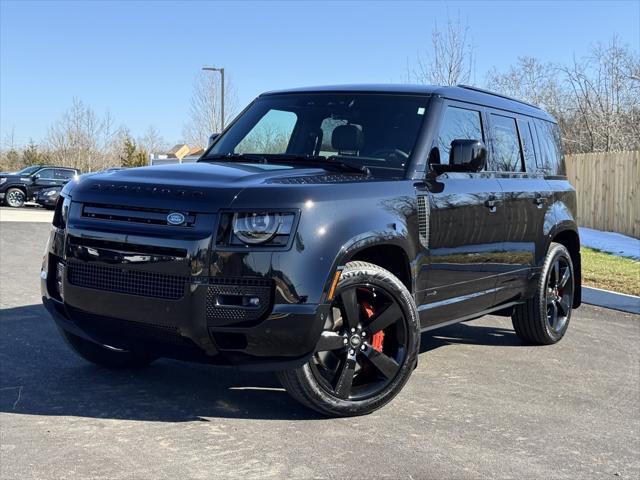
(19, 187)
(319, 235)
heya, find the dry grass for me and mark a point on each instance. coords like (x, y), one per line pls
(603, 270)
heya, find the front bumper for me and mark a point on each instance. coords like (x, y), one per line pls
(149, 303)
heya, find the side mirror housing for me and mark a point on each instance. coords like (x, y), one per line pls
(465, 156)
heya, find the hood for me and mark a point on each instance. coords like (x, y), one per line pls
(201, 186)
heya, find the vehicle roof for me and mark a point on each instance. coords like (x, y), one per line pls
(462, 93)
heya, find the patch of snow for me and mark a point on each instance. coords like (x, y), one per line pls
(610, 242)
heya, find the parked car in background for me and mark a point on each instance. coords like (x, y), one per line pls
(48, 197)
(20, 187)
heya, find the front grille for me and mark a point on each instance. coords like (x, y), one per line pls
(118, 332)
(225, 299)
(132, 282)
(150, 216)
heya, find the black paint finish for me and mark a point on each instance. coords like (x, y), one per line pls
(470, 242)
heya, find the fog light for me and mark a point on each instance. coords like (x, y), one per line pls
(252, 301)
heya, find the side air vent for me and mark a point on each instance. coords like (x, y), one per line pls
(423, 220)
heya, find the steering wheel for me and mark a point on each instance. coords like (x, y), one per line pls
(390, 153)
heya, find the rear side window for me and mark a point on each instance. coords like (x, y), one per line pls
(46, 173)
(549, 159)
(64, 174)
(524, 126)
(458, 123)
(506, 153)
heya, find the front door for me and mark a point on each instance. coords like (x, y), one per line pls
(459, 219)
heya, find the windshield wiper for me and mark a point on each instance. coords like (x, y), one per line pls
(329, 163)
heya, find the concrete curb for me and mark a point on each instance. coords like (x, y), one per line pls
(613, 300)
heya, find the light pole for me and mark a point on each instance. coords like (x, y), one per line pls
(221, 70)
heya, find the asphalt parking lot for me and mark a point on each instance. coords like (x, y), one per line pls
(479, 405)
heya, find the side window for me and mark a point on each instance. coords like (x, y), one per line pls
(549, 152)
(271, 134)
(524, 126)
(63, 174)
(506, 154)
(47, 174)
(458, 123)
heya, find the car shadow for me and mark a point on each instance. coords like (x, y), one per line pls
(39, 375)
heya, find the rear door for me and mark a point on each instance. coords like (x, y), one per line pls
(526, 198)
(43, 179)
(63, 175)
(458, 214)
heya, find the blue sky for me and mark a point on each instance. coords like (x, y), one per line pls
(138, 59)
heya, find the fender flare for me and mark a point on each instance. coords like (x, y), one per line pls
(361, 242)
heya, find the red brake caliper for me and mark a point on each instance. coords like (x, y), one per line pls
(378, 338)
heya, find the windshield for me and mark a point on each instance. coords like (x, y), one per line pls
(376, 131)
(28, 170)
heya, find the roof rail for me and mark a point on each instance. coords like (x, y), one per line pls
(489, 92)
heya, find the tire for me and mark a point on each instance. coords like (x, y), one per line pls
(15, 197)
(372, 336)
(106, 356)
(544, 319)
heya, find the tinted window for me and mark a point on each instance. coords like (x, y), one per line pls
(270, 135)
(458, 123)
(46, 173)
(506, 154)
(327, 126)
(377, 131)
(527, 142)
(549, 157)
(64, 174)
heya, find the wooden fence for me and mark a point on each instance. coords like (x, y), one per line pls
(608, 190)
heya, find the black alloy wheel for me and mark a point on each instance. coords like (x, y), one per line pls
(544, 318)
(361, 352)
(559, 294)
(368, 348)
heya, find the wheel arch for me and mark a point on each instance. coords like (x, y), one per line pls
(570, 239)
(391, 252)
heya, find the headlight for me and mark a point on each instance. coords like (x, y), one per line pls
(50, 193)
(254, 228)
(259, 229)
(2, 180)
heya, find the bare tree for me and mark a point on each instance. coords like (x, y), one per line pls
(450, 60)
(152, 142)
(81, 139)
(595, 99)
(604, 93)
(204, 108)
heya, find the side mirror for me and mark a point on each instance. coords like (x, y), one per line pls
(464, 156)
(467, 155)
(36, 177)
(212, 139)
